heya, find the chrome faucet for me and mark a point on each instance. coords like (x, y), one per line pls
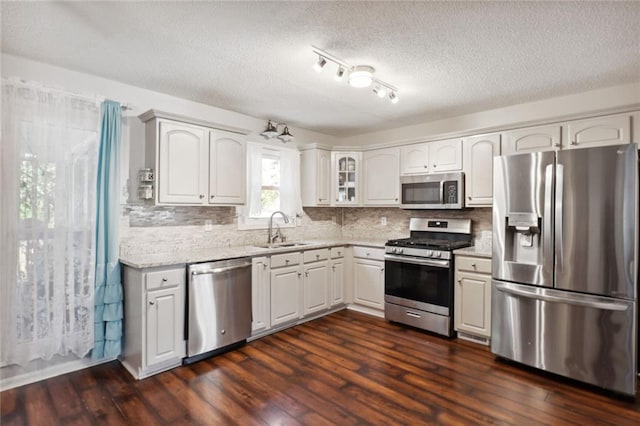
(271, 237)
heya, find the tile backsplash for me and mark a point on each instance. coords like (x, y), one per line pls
(147, 229)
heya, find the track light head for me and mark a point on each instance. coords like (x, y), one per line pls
(361, 76)
(320, 64)
(340, 73)
(380, 91)
(394, 97)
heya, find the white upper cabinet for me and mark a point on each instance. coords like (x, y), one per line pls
(414, 159)
(227, 174)
(599, 131)
(346, 177)
(382, 177)
(194, 164)
(478, 169)
(183, 164)
(315, 174)
(432, 157)
(445, 156)
(533, 139)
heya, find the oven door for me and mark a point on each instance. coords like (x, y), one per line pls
(424, 284)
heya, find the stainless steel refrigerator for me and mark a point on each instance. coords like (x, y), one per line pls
(565, 263)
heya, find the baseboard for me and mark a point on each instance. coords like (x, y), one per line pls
(366, 310)
(49, 372)
(472, 338)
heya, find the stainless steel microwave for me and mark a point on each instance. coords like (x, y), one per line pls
(434, 191)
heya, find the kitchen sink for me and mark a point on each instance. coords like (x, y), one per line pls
(279, 245)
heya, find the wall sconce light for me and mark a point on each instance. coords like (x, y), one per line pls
(272, 131)
(359, 75)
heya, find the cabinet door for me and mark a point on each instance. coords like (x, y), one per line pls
(260, 299)
(346, 178)
(369, 283)
(472, 310)
(227, 160)
(382, 177)
(315, 174)
(532, 139)
(337, 282)
(183, 168)
(316, 287)
(478, 168)
(599, 131)
(445, 156)
(286, 287)
(164, 328)
(414, 159)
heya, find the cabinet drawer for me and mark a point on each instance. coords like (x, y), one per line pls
(337, 252)
(165, 278)
(315, 255)
(473, 264)
(369, 253)
(286, 259)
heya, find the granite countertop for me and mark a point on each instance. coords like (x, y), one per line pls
(477, 251)
(221, 253)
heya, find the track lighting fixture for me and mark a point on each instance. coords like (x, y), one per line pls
(272, 131)
(358, 75)
(320, 64)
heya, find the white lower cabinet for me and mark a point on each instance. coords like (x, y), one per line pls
(154, 326)
(472, 298)
(286, 291)
(337, 271)
(260, 295)
(368, 278)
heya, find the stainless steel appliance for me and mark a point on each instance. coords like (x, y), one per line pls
(435, 191)
(565, 263)
(219, 307)
(418, 277)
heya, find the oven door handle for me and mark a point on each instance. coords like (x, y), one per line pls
(417, 261)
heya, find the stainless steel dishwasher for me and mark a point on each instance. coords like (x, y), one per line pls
(218, 307)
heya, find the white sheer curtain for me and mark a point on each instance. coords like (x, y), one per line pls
(47, 258)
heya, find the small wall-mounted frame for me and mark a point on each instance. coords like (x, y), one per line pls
(145, 184)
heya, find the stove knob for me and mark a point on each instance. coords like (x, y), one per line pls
(429, 253)
(400, 251)
(394, 250)
(438, 254)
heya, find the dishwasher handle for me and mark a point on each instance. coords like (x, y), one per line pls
(221, 270)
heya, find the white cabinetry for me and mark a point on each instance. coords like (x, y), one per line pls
(533, 139)
(315, 172)
(154, 326)
(478, 168)
(596, 131)
(260, 295)
(336, 264)
(368, 279)
(286, 288)
(432, 157)
(316, 281)
(382, 177)
(472, 298)
(194, 165)
(345, 179)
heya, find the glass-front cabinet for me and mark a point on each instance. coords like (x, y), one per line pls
(346, 177)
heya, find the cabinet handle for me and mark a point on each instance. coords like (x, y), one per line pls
(333, 267)
(339, 253)
(574, 143)
(317, 257)
(336, 200)
(558, 144)
(434, 166)
(164, 280)
(213, 196)
(426, 166)
(368, 254)
(299, 274)
(264, 266)
(286, 261)
(381, 269)
(306, 273)
(396, 199)
(469, 198)
(459, 281)
(151, 302)
(201, 196)
(473, 265)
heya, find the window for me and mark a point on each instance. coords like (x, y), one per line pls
(273, 184)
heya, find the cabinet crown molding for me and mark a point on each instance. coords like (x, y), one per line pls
(152, 113)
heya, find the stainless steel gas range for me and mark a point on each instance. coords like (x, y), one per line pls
(418, 288)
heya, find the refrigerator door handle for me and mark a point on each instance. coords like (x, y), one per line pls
(582, 300)
(558, 216)
(547, 219)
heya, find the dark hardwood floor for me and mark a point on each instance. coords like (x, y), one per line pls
(346, 368)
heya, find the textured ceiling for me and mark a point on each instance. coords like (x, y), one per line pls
(446, 58)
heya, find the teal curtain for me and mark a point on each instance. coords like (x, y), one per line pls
(108, 292)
